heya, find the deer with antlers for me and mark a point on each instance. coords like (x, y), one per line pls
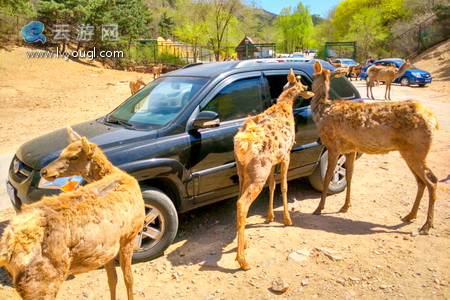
(347, 127)
(262, 142)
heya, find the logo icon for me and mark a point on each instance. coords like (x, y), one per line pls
(33, 32)
(16, 166)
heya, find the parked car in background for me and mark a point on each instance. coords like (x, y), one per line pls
(414, 76)
(346, 62)
(313, 51)
(175, 136)
(296, 55)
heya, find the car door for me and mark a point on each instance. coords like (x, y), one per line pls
(212, 165)
(306, 150)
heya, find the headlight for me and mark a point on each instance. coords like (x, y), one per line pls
(416, 74)
(65, 184)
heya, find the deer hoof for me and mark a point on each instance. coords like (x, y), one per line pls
(425, 230)
(287, 222)
(269, 219)
(318, 211)
(409, 218)
(344, 209)
(244, 265)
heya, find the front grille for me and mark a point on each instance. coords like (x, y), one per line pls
(20, 169)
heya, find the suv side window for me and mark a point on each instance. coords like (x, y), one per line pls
(237, 100)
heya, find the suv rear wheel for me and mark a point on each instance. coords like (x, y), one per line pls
(338, 182)
(160, 226)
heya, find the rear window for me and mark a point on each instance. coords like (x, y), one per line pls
(342, 88)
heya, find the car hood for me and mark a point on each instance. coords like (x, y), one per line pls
(419, 71)
(40, 151)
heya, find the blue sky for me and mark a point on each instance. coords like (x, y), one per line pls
(320, 7)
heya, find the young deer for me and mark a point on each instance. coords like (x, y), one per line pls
(262, 142)
(386, 74)
(347, 127)
(135, 85)
(77, 231)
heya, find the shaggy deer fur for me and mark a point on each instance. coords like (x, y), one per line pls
(77, 231)
(347, 127)
(262, 142)
(135, 85)
(386, 74)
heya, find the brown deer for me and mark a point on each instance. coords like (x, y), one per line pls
(347, 127)
(386, 74)
(262, 142)
(77, 231)
(336, 65)
(156, 71)
(135, 85)
(354, 70)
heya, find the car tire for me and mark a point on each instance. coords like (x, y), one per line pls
(160, 228)
(404, 81)
(338, 181)
(422, 84)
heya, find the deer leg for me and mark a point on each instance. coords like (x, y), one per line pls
(371, 91)
(430, 180)
(126, 253)
(271, 192)
(367, 88)
(333, 157)
(349, 163)
(243, 205)
(284, 189)
(420, 190)
(112, 278)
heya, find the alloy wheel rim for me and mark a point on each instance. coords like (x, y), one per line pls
(339, 172)
(153, 229)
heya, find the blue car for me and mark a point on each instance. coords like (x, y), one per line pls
(414, 76)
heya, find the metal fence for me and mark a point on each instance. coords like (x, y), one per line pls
(418, 38)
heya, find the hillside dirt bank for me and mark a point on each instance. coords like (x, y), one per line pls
(377, 255)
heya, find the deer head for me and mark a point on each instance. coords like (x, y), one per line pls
(320, 72)
(75, 159)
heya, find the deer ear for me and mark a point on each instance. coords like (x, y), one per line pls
(73, 136)
(306, 94)
(86, 146)
(291, 76)
(317, 67)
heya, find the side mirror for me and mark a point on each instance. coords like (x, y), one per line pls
(206, 119)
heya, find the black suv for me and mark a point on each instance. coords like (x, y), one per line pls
(176, 137)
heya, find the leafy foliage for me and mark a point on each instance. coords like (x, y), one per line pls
(295, 27)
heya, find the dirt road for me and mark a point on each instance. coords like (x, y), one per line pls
(367, 253)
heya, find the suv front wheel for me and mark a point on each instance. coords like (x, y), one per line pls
(160, 226)
(338, 182)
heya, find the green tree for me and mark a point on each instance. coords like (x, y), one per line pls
(294, 27)
(221, 15)
(367, 30)
(17, 8)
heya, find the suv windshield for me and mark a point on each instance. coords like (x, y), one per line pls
(158, 103)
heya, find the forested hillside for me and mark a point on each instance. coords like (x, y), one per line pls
(380, 27)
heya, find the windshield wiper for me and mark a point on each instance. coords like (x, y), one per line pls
(120, 122)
